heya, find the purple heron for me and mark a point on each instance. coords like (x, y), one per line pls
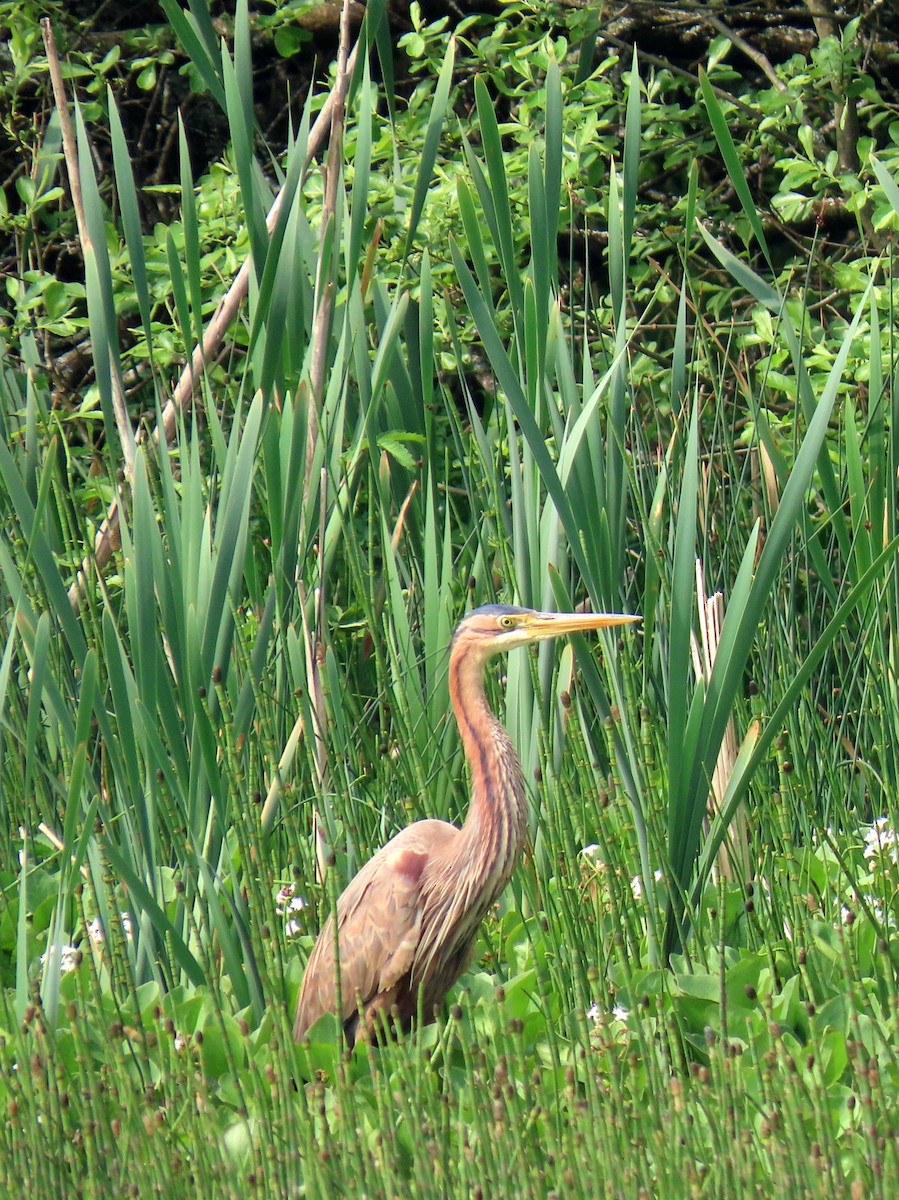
(407, 923)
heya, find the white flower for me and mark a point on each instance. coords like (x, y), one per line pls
(68, 957)
(637, 882)
(591, 860)
(180, 1042)
(287, 901)
(96, 931)
(880, 839)
(619, 1013)
(880, 915)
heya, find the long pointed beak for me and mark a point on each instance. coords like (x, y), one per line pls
(546, 625)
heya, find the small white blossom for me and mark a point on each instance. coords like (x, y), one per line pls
(881, 916)
(619, 1013)
(880, 841)
(96, 931)
(637, 882)
(180, 1042)
(289, 902)
(591, 860)
(68, 957)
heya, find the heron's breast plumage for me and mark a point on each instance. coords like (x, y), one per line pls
(466, 881)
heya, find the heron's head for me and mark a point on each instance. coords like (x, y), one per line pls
(496, 628)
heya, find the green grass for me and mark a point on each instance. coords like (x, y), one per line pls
(266, 655)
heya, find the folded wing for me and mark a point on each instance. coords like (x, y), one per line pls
(379, 921)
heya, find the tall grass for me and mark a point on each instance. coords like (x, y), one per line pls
(252, 697)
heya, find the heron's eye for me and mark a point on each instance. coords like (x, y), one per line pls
(506, 622)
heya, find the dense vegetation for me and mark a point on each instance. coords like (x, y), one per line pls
(533, 318)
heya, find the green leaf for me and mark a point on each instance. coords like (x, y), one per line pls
(436, 119)
(733, 164)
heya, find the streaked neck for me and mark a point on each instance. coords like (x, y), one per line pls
(495, 828)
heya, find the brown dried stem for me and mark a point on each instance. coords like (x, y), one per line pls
(733, 855)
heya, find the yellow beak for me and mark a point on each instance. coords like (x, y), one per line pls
(544, 625)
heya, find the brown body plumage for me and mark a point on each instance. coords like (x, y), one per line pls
(408, 921)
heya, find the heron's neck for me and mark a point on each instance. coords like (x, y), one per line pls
(496, 826)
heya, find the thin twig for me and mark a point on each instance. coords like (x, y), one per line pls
(68, 133)
(655, 61)
(108, 537)
(761, 60)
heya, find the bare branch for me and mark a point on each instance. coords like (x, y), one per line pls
(756, 56)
